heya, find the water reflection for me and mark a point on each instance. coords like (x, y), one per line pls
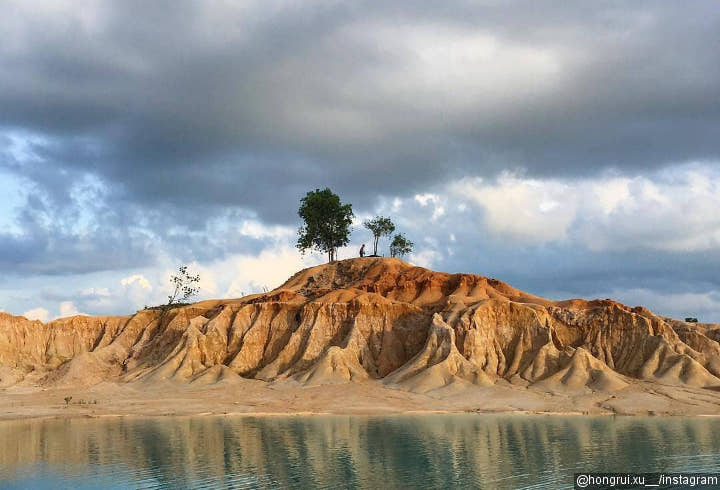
(423, 451)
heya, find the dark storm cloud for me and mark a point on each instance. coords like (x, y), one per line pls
(188, 102)
(189, 117)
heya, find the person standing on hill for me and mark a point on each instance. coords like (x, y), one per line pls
(362, 250)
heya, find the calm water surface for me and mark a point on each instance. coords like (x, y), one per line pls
(419, 451)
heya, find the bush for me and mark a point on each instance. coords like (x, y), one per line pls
(400, 246)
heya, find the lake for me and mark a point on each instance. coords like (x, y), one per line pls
(325, 451)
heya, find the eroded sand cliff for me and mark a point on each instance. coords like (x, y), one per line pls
(363, 330)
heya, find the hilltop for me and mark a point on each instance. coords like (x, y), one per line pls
(369, 335)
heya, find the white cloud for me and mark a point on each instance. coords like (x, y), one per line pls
(522, 209)
(424, 199)
(459, 71)
(137, 291)
(612, 193)
(674, 212)
(256, 229)
(268, 269)
(138, 279)
(67, 308)
(37, 314)
(424, 258)
(435, 200)
(669, 211)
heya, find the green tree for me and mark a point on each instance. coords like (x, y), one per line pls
(326, 222)
(400, 246)
(379, 226)
(185, 287)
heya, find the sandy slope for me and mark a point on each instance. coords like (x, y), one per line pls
(364, 336)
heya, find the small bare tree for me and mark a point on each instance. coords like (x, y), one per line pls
(185, 286)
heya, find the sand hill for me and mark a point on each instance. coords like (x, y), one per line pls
(380, 326)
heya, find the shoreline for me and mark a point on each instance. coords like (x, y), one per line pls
(253, 398)
(519, 413)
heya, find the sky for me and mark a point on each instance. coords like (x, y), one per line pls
(571, 149)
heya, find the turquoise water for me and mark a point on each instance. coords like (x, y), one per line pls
(418, 451)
